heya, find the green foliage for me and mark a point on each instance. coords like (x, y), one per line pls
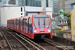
(69, 22)
(59, 33)
(67, 14)
(69, 19)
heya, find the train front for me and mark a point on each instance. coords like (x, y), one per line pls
(42, 26)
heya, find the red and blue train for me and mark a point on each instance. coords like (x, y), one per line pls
(32, 26)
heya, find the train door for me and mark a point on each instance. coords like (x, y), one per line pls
(30, 24)
(18, 24)
(24, 29)
(27, 25)
(21, 24)
(15, 23)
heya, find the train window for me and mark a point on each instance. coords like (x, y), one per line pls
(12, 22)
(18, 22)
(26, 22)
(41, 22)
(22, 22)
(15, 22)
(36, 23)
(47, 22)
(7, 22)
(30, 22)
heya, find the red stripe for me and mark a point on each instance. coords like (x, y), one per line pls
(14, 21)
(50, 20)
(32, 20)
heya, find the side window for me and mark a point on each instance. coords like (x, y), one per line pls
(10, 21)
(22, 22)
(15, 22)
(30, 22)
(18, 21)
(7, 22)
(25, 22)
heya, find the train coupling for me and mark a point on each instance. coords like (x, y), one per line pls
(42, 36)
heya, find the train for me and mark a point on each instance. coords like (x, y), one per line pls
(32, 26)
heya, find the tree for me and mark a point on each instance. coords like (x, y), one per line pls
(59, 33)
(67, 14)
(69, 19)
(69, 22)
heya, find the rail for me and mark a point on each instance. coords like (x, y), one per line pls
(7, 40)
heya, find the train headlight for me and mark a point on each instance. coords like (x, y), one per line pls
(35, 30)
(49, 30)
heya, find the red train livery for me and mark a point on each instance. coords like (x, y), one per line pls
(32, 26)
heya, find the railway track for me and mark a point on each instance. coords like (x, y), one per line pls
(38, 47)
(12, 45)
(27, 43)
(9, 38)
(55, 44)
(43, 45)
(7, 41)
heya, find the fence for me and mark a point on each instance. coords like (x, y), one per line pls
(64, 36)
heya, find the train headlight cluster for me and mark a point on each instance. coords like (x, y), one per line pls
(49, 30)
(35, 31)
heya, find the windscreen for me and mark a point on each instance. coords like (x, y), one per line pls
(41, 21)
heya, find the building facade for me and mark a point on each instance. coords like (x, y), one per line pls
(46, 3)
(72, 21)
(61, 5)
(55, 6)
(2, 2)
(68, 6)
(34, 3)
(7, 2)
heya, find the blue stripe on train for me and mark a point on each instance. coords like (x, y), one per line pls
(31, 30)
(51, 29)
(14, 26)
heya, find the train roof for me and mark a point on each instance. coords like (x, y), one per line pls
(27, 16)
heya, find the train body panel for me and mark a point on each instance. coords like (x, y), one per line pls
(30, 26)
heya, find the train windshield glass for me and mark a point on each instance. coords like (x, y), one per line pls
(41, 22)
